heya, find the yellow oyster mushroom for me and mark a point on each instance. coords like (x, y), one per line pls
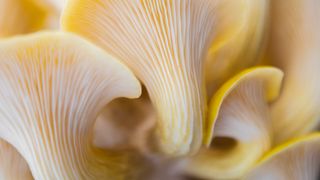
(295, 160)
(12, 165)
(239, 41)
(165, 43)
(294, 47)
(52, 87)
(20, 17)
(240, 125)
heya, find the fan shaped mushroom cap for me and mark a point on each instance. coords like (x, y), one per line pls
(165, 43)
(52, 87)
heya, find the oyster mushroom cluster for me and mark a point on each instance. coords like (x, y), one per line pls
(159, 89)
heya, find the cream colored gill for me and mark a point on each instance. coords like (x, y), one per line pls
(240, 125)
(164, 42)
(52, 87)
(295, 160)
(294, 47)
(239, 41)
(12, 165)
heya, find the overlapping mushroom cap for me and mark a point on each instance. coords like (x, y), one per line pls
(294, 48)
(164, 42)
(52, 87)
(241, 125)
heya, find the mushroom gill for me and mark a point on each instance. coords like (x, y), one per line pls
(294, 48)
(165, 43)
(240, 125)
(52, 87)
(295, 160)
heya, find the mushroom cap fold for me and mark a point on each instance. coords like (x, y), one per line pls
(297, 159)
(164, 42)
(239, 39)
(271, 77)
(294, 48)
(52, 87)
(12, 165)
(239, 124)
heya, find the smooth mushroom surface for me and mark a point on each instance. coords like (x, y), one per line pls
(239, 41)
(294, 48)
(54, 9)
(20, 17)
(12, 165)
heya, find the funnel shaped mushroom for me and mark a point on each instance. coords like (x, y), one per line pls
(239, 39)
(295, 160)
(52, 87)
(12, 165)
(240, 124)
(164, 42)
(295, 44)
(19, 17)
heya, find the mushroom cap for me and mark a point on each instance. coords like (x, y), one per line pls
(164, 42)
(53, 86)
(240, 126)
